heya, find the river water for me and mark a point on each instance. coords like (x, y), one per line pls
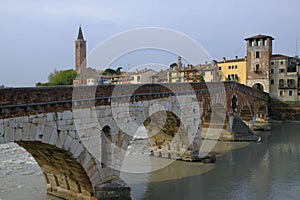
(266, 170)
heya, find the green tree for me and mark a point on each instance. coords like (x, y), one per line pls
(110, 71)
(199, 78)
(118, 70)
(39, 84)
(62, 77)
(173, 65)
(2, 86)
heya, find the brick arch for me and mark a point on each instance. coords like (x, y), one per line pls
(246, 112)
(162, 127)
(114, 143)
(262, 111)
(68, 167)
(234, 103)
(181, 123)
(244, 100)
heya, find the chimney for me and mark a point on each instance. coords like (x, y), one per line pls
(224, 59)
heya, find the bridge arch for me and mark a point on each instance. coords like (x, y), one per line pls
(234, 103)
(68, 167)
(161, 133)
(262, 112)
(246, 113)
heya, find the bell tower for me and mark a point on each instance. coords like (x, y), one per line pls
(80, 53)
(259, 52)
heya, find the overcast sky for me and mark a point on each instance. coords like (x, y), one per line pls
(38, 36)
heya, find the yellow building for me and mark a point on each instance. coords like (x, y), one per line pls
(234, 70)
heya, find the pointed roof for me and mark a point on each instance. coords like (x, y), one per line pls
(80, 35)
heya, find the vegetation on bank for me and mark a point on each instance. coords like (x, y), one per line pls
(2, 86)
(62, 77)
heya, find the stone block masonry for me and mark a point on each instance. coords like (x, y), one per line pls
(79, 135)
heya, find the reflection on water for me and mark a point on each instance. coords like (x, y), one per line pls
(266, 170)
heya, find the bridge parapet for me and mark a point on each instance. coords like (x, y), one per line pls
(25, 101)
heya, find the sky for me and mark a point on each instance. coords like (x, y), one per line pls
(38, 36)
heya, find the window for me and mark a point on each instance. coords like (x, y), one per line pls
(256, 68)
(281, 82)
(280, 93)
(235, 67)
(257, 54)
(264, 42)
(138, 78)
(211, 72)
(272, 71)
(229, 67)
(228, 77)
(272, 81)
(220, 68)
(281, 62)
(290, 93)
(290, 83)
(281, 71)
(272, 63)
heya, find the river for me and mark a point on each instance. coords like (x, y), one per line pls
(266, 170)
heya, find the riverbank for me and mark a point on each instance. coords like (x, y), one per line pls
(280, 111)
(138, 167)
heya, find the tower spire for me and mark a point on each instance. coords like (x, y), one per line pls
(80, 35)
(80, 53)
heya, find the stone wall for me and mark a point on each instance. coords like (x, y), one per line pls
(287, 112)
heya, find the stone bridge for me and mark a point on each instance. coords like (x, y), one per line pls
(79, 135)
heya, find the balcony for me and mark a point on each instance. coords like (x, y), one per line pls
(287, 86)
(292, 73)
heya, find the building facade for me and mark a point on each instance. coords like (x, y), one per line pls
(142, 76)
(284, 77)
(191, 73)
(233, 70)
